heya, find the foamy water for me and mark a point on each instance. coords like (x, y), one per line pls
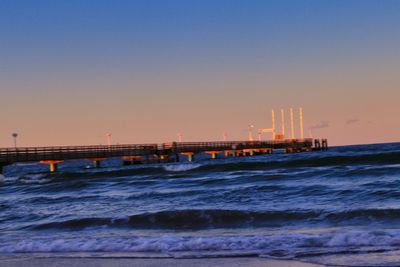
(181, 167)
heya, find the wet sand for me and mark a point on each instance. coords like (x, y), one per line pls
(158, 262)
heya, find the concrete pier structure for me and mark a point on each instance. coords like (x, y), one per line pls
(190, 155)
(155, 153)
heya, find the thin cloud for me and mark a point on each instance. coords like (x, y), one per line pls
(351, 121)
(320, 125)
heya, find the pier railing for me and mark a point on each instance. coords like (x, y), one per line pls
(199, 147)
(24, 154)
(31, 154)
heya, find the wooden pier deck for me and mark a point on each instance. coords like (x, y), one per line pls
(150, 153)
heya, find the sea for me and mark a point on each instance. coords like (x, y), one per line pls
(337, 207)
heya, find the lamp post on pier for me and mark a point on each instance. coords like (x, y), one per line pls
(180, 137)
(250, 132)
(15, 135)
(108, 139)
(225, 136)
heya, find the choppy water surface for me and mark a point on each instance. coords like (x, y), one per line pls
(336, 207)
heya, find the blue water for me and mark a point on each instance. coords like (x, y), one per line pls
(341, 206)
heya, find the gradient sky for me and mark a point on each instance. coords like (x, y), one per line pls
(72, 71)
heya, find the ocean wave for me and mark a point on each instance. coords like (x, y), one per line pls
(387, 158)
(111, 172)
(373, 162)
(34, 179)
(205, 219)
(283, 245)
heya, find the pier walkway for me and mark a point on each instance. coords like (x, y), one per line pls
(153, 153)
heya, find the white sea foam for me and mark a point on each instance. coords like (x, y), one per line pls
(181, 167)
(34, 179)
(265, 245)
(23, 164)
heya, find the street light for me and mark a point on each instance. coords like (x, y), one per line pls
(15, 135)
(180, 137)
(224, 136)
(251, 132)
(108, 139)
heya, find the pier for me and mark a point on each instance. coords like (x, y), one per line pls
(154, 153)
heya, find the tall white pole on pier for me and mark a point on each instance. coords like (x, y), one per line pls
(291, 124)
(283, 121)
(250, 129)
(180, 137)
(273, 124)
(224, 136)
(301, 123)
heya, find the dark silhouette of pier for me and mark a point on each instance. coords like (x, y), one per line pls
(154, 153)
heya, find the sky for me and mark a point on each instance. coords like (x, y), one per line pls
(72, 71)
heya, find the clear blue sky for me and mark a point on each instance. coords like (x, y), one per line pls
(72, 71)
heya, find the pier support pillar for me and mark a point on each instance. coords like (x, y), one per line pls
(97, 162)
(129, 160)
(53, 164)
(53, 167)
(324, 144)
(213, 154)
(190, 155)
(317, 144)
(248, 152)
(232, 153)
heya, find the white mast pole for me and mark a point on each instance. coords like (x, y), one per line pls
(250, 131)
(273, 124)
(283, 121)
(301, 123)
(291, 123)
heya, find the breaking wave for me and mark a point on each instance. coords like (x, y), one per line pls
(200, 219)
(274, 245)
(181, 167)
